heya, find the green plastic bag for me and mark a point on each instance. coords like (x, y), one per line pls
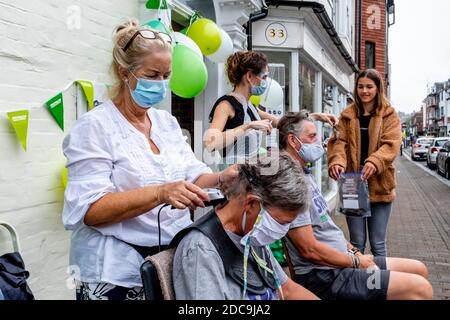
(277, 250)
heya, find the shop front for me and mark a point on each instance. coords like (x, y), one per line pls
(317, 77)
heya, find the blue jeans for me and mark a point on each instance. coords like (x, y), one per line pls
(376, 226)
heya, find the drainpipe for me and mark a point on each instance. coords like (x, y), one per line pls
(254, 17)
(358, 45)
(327, 24)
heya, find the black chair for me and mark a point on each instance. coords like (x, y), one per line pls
(156, 274)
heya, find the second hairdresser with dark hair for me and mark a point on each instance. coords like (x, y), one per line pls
(237, 125)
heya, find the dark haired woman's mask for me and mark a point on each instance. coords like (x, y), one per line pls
(259, 90)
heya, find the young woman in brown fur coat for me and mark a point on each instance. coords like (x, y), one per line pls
(368, 141)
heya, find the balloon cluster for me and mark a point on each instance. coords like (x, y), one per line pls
(201, 38)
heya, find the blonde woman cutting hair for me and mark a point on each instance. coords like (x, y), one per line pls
(126, 159)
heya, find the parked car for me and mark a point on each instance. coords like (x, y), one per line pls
(443, 160)
(419, 149)
(433, 151)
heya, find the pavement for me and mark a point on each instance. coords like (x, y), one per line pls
(419, 227)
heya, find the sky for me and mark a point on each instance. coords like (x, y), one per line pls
(419, 50)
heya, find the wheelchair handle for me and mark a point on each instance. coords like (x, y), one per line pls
(14, 235)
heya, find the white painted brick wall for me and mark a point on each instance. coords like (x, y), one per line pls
(39, 55)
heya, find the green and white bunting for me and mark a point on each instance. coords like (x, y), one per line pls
(156, 4)
(19, 120)
(88, 90)
(56, 107)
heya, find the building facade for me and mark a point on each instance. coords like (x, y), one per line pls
(311, 50)
(416, 123)
(313, 44)
(444, 110)
(373, 19)
(436, 116)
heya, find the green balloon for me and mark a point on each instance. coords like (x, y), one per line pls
(184, 31)
(157, 25)
(189, 75)
(206, 35)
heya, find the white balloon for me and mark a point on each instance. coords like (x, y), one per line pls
(273, 97)
(179, 38)
(225, 49)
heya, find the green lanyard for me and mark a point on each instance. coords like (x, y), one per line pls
(263, 264)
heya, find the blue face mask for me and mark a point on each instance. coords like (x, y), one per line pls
(259, 90)
(148, 92)
(310, 152)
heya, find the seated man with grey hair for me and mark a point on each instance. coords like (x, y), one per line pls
(224, 254)
(322, 259)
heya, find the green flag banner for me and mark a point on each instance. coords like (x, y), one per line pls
(56, 107)
(88, 90)
(19, 120)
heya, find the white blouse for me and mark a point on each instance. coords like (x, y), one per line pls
(105, 153)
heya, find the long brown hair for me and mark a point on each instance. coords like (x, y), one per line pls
(381, 100)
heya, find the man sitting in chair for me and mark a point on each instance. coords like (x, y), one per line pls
(225, 254)
(323, 261)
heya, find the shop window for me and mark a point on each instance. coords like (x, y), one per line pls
(279, 70)
(370, 55)
(327, 107)
(306, 87)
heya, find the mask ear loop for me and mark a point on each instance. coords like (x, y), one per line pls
(301, 143)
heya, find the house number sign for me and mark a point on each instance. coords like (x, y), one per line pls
(276, 33)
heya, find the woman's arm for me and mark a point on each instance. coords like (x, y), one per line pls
(119, 206)
(215, 137)
(267, 116)
(220, 179)
(329, 118)
(323, 117)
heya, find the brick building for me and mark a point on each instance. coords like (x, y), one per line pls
(373, 18)
(416, 124)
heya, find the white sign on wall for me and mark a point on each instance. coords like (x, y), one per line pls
(276, 34)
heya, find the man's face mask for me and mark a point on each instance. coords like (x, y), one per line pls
(265, 231)
(259, 90)
(310, 152)
(148, 92)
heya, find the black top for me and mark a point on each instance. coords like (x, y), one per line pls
(238, 118)
(364, 128)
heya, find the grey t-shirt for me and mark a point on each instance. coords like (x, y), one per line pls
(199, 273)
(325, 230)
